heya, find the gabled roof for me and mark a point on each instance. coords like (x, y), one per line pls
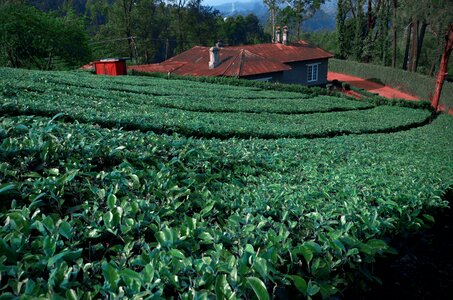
(299, 51)
(237, 61)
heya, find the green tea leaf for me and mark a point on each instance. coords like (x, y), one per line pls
(148, 273)
(299, 283)
(307, 253)
(111, 275)
(258, 287)
(429, 218)
(68, 177)
(66, 255)
(176, 253)
(312, 288)
(6, 187)
(65, 230)
(223, 289)
(71, 295)
(107, 218)
(207, 209)
(260, 265)
(111, 201)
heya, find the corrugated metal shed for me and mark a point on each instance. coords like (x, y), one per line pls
(111, 66)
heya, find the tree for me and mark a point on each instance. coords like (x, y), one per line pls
(359, 32)
(341, 18)
(303, 10)
(394, 31)
(125, 10)
(200, 25)
(448, 47)
(179, 12)
(253, 29)
(273, 6)
(30, 38)
(240, 31)
(418, 18)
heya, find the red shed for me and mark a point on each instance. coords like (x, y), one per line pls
(111, 66)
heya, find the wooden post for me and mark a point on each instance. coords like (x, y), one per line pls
(443, 67)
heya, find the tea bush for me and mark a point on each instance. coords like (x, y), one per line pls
(167, 107)
(90, 209)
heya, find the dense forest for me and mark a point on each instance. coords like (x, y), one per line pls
(64, 34)
(394, 32)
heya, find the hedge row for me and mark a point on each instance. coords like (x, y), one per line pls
(276, 86)
(297, 88)
(93, 99)
(417, 84)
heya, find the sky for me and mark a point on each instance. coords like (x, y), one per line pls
(217, 2)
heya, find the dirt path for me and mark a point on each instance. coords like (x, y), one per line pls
(373, 87)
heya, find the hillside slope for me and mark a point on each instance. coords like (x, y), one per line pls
(115, 186)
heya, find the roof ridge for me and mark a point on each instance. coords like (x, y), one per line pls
(229, 66)
(241, 61)
(178, 67)
(256, 54)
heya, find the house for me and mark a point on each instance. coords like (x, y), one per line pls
(281, 61)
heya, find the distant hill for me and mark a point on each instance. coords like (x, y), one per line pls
(324, 19)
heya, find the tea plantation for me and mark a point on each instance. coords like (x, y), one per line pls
(149, 188)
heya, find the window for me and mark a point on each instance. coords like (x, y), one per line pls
(312, 72)
(266, 79)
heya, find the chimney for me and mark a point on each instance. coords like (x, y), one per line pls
(278, 35)
(285, 35)
(213, 57)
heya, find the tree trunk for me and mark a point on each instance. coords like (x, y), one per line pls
(394, 34)
(436, 59)
(414, 54)
(127, 9)
(273, 23)
(443, 67)
(358, 39)
(351, 5)
(299, 23)
(433, 67)
(420, 38)
(408, 43)
(369, 17)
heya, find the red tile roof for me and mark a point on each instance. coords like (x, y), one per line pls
(237, 61)
(164, 67)
(299, 51)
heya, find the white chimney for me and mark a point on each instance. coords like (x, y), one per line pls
(213, 57)
(285, 35)
(278, 35)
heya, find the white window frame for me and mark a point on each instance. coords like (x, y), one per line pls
(263, 79)
(312, 71)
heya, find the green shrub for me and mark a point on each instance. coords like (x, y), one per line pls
(196, 109)
(89, 211)
(276, 86)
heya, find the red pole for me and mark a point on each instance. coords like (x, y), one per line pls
(443, 67)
